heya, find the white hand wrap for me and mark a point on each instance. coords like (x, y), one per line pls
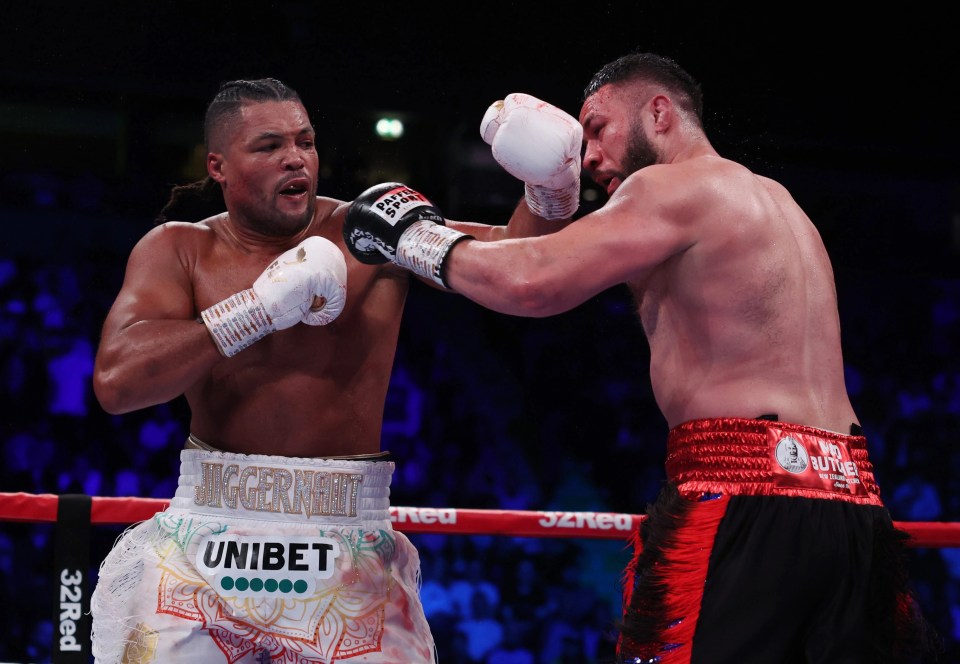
(237, 322)
(539, 144)
(282, 296)
(424, 246)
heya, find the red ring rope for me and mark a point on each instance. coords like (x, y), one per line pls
(511, 523)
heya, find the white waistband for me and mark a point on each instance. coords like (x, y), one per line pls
(276, 488)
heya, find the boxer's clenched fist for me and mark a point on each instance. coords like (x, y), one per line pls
(392, 222)
(539, 144)
(307, 283)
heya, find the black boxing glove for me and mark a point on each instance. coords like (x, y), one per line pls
(392, 222)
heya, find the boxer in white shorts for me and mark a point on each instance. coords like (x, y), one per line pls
(244, 301)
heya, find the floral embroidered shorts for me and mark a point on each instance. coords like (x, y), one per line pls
(264, 558)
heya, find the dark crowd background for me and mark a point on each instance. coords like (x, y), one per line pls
(101, 110)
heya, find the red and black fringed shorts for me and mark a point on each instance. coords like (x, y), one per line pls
(769, 544)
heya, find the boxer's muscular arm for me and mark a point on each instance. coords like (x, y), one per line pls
(152, 346)
(536, 277)
(153, 349)
(623, 241)
(541, 276)
(523, 223)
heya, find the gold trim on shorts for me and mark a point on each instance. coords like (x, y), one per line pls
(194, 443)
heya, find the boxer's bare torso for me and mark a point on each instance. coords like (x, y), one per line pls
(301, 391)
(743, 321)
(733, 284)
(307, 391)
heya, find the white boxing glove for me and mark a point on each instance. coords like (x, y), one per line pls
(540, 144)
(307, 283)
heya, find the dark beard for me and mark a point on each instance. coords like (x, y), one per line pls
(640, 152)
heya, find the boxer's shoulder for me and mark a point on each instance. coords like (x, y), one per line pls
(330, 211)
(174, 238)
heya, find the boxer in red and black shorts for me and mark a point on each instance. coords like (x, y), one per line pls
(770, 543)
(781, 521)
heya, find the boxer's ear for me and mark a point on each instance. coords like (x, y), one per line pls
(215, 166)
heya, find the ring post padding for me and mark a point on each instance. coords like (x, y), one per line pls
(71, 610)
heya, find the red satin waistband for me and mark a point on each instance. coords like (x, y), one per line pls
(741, 456)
